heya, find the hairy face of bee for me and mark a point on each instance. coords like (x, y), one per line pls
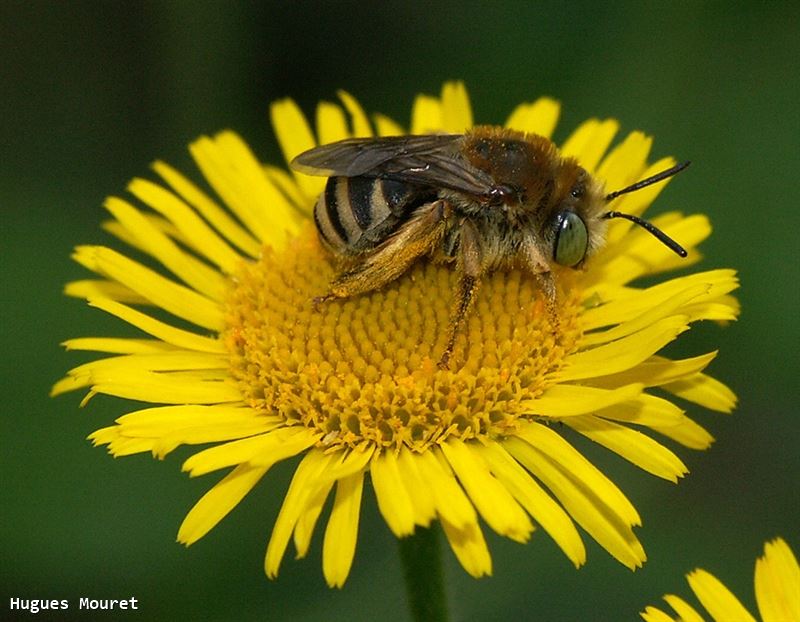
(574, 228)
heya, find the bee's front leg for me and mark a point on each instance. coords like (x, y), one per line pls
(540, 268)
(548, 286)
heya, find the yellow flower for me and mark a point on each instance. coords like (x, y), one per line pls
(249, 364)
(777, 580)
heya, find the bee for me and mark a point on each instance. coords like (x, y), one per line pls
(490, 199)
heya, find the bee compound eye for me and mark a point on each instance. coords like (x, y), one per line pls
(572, 240)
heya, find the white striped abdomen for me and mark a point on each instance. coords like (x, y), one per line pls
(355, 214)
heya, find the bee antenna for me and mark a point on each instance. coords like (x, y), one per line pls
(651, 228)
(649, 181)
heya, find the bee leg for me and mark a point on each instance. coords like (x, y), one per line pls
(318, 300)
(548, 285)
(466, 294)
(540, 268)
(471, 268)
(412, 240)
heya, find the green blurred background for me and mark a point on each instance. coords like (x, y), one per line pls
(92, 92)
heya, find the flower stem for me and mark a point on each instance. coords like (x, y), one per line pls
(420, 555)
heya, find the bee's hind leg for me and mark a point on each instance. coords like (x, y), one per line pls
(374, 269)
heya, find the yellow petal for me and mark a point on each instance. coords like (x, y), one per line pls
(456, 109)
(556, 448)
(90, 288)
(632, 445)
(358, 117)
(301, 493)
(204, 434)
(291, 128)
(646, 410)
(651, 614)
(451, 502)
(304, 528)
(539, 117)
(217, 502)
(639, 253)
(349, 463)
(493, 501)
(118, 345)
(418, 489)
(70, 383)
(600, 521)
(387, 127)
(393, 499)
(232, 169)
(162, 292)
(777, 581)
(342, 531)
(166, 427)
(637, 202)
(625, 163)
(686, 432)
(566, 400)
(208, 209)
(624, 353)
(626, 306)
(175, 336)
(685, 612)
(128, 446)
(704, 390)
(727, 309)
(657, 371)
(193, 229)
(589, 142)
(331, 123)
(155, 387)
(469, 547)
(162, 225)
(426, 115)
(116, 367)
(117, 443)
(160, 420)
(551, 516)
(672, 306)
(294, 137)
(718, 600)
(262, 450)
(287, 185)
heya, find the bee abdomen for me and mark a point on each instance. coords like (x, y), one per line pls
(357, 213)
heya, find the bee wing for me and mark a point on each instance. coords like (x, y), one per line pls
(428, 160)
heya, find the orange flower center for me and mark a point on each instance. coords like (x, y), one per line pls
(364, 369)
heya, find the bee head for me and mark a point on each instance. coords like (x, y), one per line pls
(572, 226)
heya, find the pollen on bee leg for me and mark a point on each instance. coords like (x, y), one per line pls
(466, 294)
(364, 368)
(548, 286)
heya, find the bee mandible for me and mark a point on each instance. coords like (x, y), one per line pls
(490, 199)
